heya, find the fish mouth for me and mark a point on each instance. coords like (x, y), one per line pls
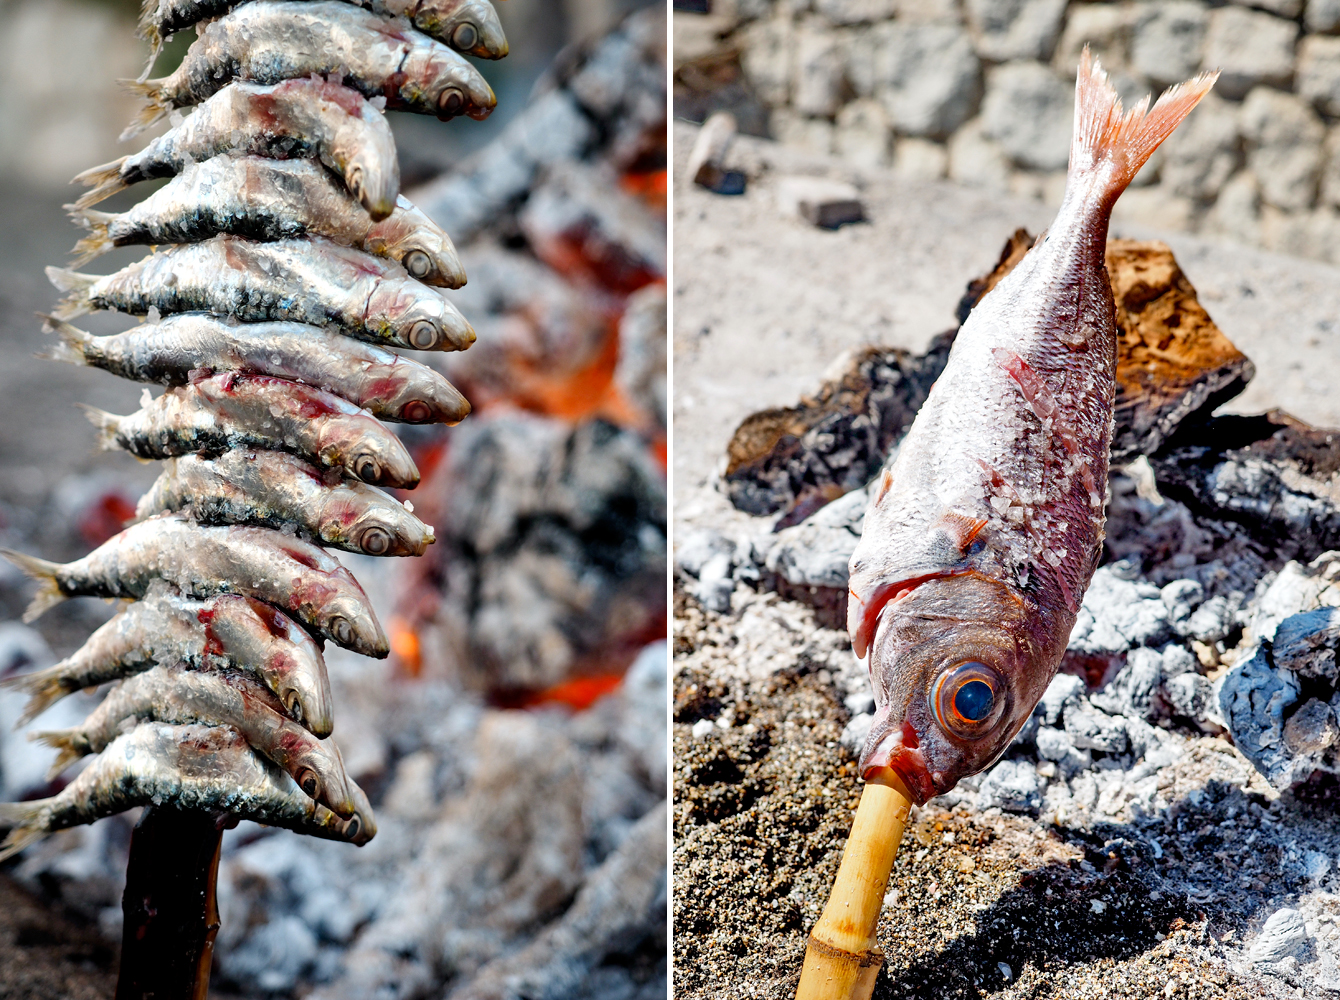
(898, 750)
(863, 616)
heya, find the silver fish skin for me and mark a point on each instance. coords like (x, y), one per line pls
(189, 346)
(256, 411)
(275, 568)
(981, 538)
(225, 632)
(267, 41)
(265, 199)
(309, 280)
(180, 696)
(469, 26)
(310, 117)
(210, 768)
(273, 489)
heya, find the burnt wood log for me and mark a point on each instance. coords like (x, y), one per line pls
(1273, 474)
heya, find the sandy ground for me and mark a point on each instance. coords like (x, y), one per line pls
(984, 904)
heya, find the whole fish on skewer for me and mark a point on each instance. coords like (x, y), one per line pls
(309, 280)
(310, 117)
(257, 411)
(181, 696)
(267, 41)
(470, 26)
(224, 632)
(266, 199)
(273, 489)
(981, 539)
(190, 346)
(279, 569)
(209, 768)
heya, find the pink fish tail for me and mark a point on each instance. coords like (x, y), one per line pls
(1121, 142)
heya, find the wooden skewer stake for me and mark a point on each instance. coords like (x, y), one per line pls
(842, 957)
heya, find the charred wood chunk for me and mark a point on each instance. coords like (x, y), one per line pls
(1172, 360)
(1271, 473)
(798, 458)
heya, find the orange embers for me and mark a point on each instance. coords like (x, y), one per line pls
(650, 187)
(579, 693)
(405, 646)
(105, 517)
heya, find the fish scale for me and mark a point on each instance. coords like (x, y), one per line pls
(983, 534)
(222, 640)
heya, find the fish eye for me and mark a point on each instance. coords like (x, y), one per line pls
(294, 706)
(308, 782)
(367, 468)
(375, 541)
(355, 179)
(417, 263)
(342, 631)
(416, 411)
(465, 37)
(352, 828)
(423, 335)
(968, 699)
(451, 102)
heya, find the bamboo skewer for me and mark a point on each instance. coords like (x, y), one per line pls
(842, 956)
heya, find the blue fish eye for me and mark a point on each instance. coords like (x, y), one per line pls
(973, 700)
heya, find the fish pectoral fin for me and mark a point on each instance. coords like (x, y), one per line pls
(962, 529)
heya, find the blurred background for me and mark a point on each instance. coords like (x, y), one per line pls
(981, 92)
(514, 744)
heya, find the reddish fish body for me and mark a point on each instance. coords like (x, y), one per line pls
(982, 536)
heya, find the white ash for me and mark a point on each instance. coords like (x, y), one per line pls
(499, 833)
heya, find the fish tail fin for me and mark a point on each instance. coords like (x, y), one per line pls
(43, 687)
(98, 241)
(45, 573)
(108, 425)
(154, 92)
(74, 343)
(104, 180)
(71, 743)
(148, 30)
(76, 287)
(1105, 136)
(26, 821)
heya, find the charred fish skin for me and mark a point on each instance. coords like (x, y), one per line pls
(180, 696)
(470, 26)
(270, 566)
(224, 632)
(210, 768)
(267, 41)
(981, 538)
(309, 117)
(189, 346)
(267, 200)
(310, 280)
(273, 489)
(256, 411)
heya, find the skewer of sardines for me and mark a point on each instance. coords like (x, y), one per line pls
(285, 273)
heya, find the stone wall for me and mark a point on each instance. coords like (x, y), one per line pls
(981, 91)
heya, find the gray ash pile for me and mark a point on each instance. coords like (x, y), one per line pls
(1166, 815)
